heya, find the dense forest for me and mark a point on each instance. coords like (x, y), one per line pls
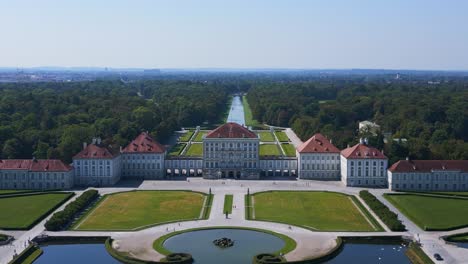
(432, 118)
(52, 120)
(418, 119)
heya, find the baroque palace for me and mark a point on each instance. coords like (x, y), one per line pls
(236, 152)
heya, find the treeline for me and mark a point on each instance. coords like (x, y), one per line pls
(420, 120)
(388, 217)
(61, 219)
(52, 120)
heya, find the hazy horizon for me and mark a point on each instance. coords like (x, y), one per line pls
(300, 35)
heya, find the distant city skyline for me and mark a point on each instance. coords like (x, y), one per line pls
(334, 34)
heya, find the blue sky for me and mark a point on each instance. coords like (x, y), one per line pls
(397, 34)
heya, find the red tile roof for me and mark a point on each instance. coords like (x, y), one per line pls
(49, 165)
(93, 151)
(144, 143)
(317, 144)
(231, 130)
(362, 151)
(34, 165)
(429, 165)
(15, 164)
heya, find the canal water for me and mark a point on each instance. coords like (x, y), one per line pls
(236, 113)
(247, 244)
(371, 254)
(75, 254)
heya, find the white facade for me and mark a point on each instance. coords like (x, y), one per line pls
(437, 180)
(143, 165)
(364, 172)
(97, 172)
(32, 180)
(319, 166)
(231, 158)
(280, 166)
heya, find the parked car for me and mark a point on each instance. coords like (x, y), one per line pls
(438, 257)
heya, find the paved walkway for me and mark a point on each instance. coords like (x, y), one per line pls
(309, 242)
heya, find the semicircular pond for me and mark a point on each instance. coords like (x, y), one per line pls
(247, 244)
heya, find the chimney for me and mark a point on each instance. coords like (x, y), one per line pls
(34, 159)
(366, 141)
(407, 158)
(99, 141)
(94, 140)
(361, 141)
(120, 149)
(85, 145)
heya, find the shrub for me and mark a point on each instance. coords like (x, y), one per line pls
(388, 217)
(61, 219)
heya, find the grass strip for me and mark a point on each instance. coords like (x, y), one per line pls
(228, 200)
(416, 255)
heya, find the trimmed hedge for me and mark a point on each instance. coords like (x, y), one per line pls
(61, 219)
(388, 217)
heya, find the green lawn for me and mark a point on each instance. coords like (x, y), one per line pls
(11, 191)
(324, 211)
(266, 136)
(199, 136)
(22, 211)
(195, 150)
(228, 203)
(249, 121)
(269, 150)
(289, 150)
(186, 137)
(131, 210)
(432, 211)
(282, 137)
(176, 149)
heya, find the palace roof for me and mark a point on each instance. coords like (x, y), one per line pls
(429, 165)
(93, 151)
(144, 143)
(231, 130)
(40, 165)
(318, 144)
(362, 151)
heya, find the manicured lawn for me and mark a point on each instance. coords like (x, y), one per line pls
(228, 203)
(195, 150)
(269, 150)
(22, 211)
(11, 191)
(249, 121)
(131, 210)
(176, 149)
(289, 149)
(186, 137)
(199, 136)
(282, 137)
(266, 136)
(325, 211)
(432, 211)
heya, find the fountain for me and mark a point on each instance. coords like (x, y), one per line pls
(223, 242)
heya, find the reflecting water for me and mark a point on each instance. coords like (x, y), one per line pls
(462, 245)
(236, 113)
(75, 254)
(371, 254)
(247, 244)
